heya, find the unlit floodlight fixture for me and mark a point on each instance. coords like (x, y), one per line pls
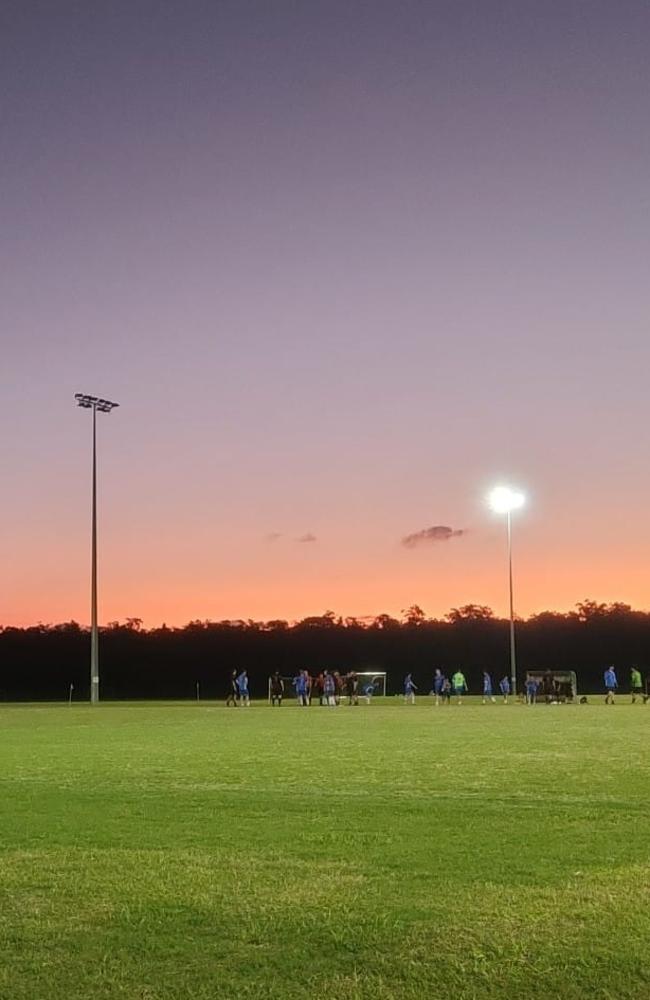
(94, 402)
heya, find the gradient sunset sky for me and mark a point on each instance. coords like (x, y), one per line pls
(344, 265)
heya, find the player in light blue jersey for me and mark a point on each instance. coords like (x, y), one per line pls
(531, 690)
(409, 690)
(438, 685)
(504, 688)
(329, 689)
(242, 685)
(487, 688)
(300, 683)
(611, 684)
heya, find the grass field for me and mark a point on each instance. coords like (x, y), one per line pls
(163, 851)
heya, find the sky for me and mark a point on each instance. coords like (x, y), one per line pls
(344, 266)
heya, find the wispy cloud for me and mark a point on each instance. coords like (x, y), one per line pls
(307, 538)
(273, 536)
(438, 533)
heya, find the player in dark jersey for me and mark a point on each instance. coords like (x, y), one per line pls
(276, 689)
(352, 688)
(233, 691)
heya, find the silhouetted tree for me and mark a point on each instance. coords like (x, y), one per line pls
(470, 612)
(41, 661)
(414, 615)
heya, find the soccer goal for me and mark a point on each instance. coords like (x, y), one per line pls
(372, 684)
(556, 685)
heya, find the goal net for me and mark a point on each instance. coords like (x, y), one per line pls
(555, 685)
(372, 684)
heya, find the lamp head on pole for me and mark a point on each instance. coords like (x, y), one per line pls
(504, 499)
(94, 402)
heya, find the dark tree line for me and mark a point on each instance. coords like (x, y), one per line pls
(42, 661)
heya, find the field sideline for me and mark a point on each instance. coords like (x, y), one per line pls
(179, 851)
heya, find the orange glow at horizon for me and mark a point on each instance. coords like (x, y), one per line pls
(179, 598)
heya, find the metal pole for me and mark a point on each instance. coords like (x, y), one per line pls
(513, 658)
(94, 636)
(94, 403)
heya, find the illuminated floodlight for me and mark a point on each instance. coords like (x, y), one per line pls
(503, 499)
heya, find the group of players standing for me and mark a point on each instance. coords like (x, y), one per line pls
(328, 686)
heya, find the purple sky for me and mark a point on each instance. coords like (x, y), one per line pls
(344, 265)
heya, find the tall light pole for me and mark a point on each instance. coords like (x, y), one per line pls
(94, 403)
(503, 500)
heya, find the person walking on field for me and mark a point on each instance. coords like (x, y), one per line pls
(459, 685)
(610, 685)
(487, 688)
(242, 686)
(636, 684)
(504, 688)
(233, 692)
(409, 690)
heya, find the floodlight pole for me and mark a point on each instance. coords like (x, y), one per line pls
(94, 403)
(94, 631)
(513, 656)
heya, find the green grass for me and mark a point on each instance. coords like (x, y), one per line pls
(185, 852)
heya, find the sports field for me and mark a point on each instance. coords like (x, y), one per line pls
(159, 851)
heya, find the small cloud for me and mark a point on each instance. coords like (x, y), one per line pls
(307, 538)
(438, 533)
(274, 536)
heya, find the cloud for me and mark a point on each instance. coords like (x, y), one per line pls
(438, 533)
(275, 536)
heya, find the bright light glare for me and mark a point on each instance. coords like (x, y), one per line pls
(502, 499)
